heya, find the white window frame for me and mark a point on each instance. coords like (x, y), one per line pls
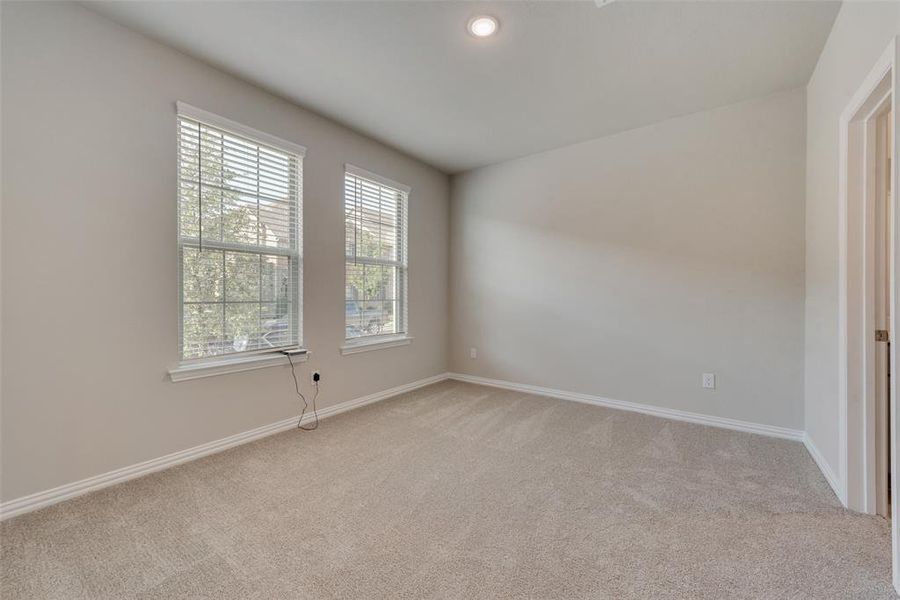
(389, 340)
(194, 368)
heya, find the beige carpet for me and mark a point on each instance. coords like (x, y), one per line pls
(462, 491)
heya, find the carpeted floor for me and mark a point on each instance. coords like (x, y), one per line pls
(462, 491)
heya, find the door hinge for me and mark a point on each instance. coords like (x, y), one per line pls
(881, 335)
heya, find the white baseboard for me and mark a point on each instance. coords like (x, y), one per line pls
(666, 413)
(38, 500)
(825, 468)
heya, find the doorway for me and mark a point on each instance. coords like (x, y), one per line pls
(869, 302)
(866, 283)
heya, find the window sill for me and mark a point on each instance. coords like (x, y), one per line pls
(234, 364)
(377, 344)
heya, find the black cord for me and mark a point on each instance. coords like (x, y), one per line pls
(302, 397)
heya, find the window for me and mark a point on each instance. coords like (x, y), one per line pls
(239, 238)
(376, 265)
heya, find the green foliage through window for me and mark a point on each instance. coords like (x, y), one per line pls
(376, 274)
(239, 232)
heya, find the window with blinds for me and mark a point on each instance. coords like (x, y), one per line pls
(239, 238)
(376, 265)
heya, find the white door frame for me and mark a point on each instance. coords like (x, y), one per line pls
(856, 347)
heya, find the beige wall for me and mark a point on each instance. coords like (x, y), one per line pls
(860, 35)
(89, 315)
(627, 266)
(622, 267)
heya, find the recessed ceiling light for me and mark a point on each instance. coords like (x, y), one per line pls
(483, 26)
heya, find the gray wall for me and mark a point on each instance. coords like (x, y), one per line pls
(626, 266)
(89, 315)
(860, 34)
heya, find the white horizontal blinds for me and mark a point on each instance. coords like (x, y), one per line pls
(376, 250)
(239, 241)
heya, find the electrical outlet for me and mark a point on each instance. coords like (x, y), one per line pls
(315, 377)
(709, 381)
(473, 353)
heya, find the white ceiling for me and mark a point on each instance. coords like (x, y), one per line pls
(408, 74)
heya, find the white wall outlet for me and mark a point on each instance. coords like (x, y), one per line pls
(709, 381)
(473, 353)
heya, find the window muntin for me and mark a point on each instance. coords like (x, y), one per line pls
(239, 241)
(376, 277)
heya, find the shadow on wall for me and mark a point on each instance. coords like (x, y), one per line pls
(564, 306)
